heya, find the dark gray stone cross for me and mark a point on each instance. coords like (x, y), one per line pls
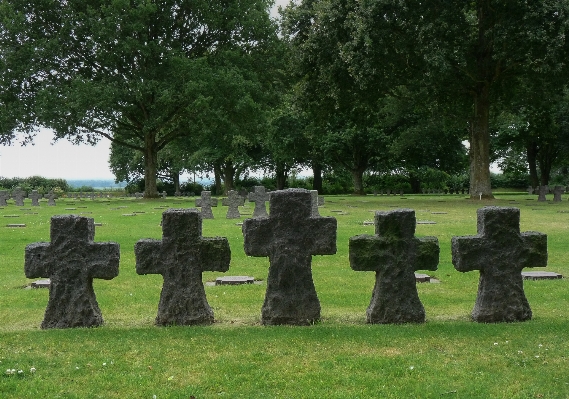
(290, 236)
(18, 195)
(394, 253)
(4, 196)
(233, 202)
(35, 197)
(51, 198)
(500, 252)
(543, 190)
(205, 203)
(557, 192)
(181, 257)
(259, 197)
(71, 261)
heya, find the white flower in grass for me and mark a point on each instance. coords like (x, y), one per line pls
(495, 343)
(32, 370)
(520, 352)
(20, 372)
(411, 367)
(104, 364)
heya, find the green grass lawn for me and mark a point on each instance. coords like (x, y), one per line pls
(341, 357)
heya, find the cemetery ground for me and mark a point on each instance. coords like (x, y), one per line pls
(449, 356)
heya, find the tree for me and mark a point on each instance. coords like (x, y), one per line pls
(137, 72)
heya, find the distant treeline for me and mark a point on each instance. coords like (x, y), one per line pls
(44, 185)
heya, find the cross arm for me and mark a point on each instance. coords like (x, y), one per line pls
(38, 261)
(257, 236)
(147, 253)
(427, 253)
(215, 254)
(535, 246)
(468, 253)
(324, 235)
(103, 260)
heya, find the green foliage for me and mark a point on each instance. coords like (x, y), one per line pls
(42, 184)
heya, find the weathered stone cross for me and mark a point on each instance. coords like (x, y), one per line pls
(394, 253)
(4, 196)
(51, 198)
(259, 197)
(500, 252)
(205, 203)
(289, 237)
(233, 202)
(557, 192)
(35, 197)
(181, 257)
(71, 261)
(18, 195)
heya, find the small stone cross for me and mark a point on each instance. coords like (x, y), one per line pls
(163, 194)
(71, 261)
(290, 236)
(35, 197)
(530, 190)
(394, 253)
(205, 202)
(500, 252)
(4, 196)
(181, 257)
(259, 197)
(233, 202)
(557, 191)
(50, 198)
(543, 190)
(18, 195)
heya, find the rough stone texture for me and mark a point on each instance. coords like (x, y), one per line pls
(314, 203)
(543, 190)
(233, 202)
(71, 261)
(181, 257)
(205, 202)
(51, 198)
(35, 197)
(18, 195)
(394, 253)
(500, 252)
(4, 196)
(557, 191)
(290, 236)
(259, 197)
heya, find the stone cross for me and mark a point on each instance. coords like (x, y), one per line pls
(18, 195)
(394, 254)
(71, 261)
(4, 196)
(50, 198)
(35, 197)
(205, 203)
(290, 236)
(530, 190)
(259, 197)
(181, 257)
(233, 202)
(557, 191)
(163, 194)
(500, 252)
(542, 191)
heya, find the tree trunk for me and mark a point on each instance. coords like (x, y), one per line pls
(281, 175)
(531, 153)
(358, 180)
(217, 178)
(317, 180)
(480, 145)
(176, 180)
(228, 176)
(545, 160)
(150, 166)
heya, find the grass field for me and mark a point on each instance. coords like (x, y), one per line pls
(341, 357)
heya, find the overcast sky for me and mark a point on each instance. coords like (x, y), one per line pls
(62, 159)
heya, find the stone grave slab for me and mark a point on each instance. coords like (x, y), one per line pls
(290, 236)
(234, 280)
(71, 261)
(422, 278)
(44, 283)
(15, 225)
(426, 222)
(181, 257)
(500, 252)
(541, 275)
(11, 216)
(395, 254)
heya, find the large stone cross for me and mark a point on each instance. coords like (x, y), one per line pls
(181, 257)
(233, 202)
(205, 203)
(500, 252)
(35, 197)
(290, 236)
(394, 254)
(259, 197)
(4, 196)
(71, 261)
(18, 195)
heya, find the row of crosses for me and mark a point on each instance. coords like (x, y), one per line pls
(289, 237)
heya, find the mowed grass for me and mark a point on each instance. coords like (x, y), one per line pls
(341, 357)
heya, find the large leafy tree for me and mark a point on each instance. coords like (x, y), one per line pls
(139, 72)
